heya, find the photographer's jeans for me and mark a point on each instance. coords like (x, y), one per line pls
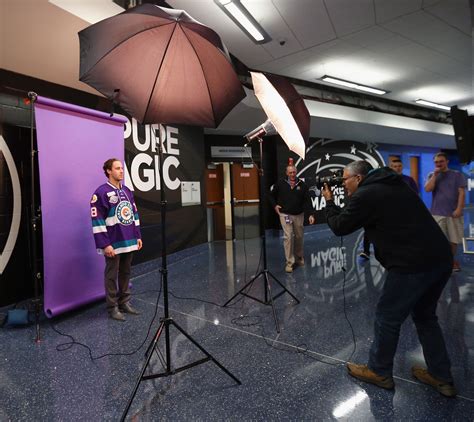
(417, 294)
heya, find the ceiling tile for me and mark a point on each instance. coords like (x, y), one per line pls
(307, 19)
(432, 33)
(350, 16)
(386, 10)
(367, 37)
(387, 45)
(453, 12)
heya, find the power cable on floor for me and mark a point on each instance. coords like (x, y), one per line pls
(69, 344)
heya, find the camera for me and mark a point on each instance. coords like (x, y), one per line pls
(334, 179)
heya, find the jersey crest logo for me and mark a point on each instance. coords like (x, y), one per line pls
(124, 213)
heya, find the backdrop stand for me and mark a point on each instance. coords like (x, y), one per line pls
(264, 274)
(167, 321)
(34, 221)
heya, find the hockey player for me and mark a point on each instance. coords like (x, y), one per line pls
(116, 229)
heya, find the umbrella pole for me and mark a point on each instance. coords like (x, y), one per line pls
(167, 321)
(265, 273)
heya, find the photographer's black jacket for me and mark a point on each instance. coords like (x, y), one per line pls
(292, 201)
(405, 235)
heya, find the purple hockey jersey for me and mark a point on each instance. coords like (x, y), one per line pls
(115, 219)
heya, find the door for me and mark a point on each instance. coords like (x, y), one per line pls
(245, 201)
(215, 203)
(415, 169)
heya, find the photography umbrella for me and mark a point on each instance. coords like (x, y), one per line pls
(286, 111)
(161, 66)
(165, 66)
(288, 116)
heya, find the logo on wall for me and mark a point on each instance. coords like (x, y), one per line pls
(324, 156)
(143, 172)
(16, 214)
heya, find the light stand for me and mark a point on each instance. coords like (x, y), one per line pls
(265, 273)
(167, 321)
(34, 220)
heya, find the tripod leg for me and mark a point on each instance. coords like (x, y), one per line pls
(142, 372)
(205, 352)
(283, 287)
(269, 290)
(241, 290)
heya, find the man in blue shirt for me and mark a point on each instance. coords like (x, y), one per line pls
(448, 187)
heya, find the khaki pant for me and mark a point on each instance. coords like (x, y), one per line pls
(117, 269)
(293, 237)
(453, 228)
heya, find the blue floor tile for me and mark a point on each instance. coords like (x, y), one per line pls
(297, 374)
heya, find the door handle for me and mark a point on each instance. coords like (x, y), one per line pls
(246, 201)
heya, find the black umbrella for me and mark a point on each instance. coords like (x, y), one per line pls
(168, 67)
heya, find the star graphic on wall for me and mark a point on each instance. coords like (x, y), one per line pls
(327, 157)
(371, 146)
(353, 149)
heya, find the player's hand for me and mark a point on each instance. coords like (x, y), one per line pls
(139, 244)
(311, 219)
(277, 209)
(457, 213)
(109, 252)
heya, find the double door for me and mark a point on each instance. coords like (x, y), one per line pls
(232, 201)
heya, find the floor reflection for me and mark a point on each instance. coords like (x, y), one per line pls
(298, 374)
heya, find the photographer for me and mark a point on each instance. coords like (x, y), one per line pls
(412, 247)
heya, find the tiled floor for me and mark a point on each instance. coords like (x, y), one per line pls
(298, 374)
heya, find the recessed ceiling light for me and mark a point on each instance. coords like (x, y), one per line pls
(244, 20)
(431, 104)
(353, 85)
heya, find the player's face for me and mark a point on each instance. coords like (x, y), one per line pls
(116, 173)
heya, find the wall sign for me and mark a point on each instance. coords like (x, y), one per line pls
(231, 152)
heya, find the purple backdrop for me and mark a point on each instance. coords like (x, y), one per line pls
(73, 143)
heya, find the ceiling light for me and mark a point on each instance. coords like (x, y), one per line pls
(353, 85)
(431, 104)
(246, 22)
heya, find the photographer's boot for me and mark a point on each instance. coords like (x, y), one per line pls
(364, 373)
(447, 389)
